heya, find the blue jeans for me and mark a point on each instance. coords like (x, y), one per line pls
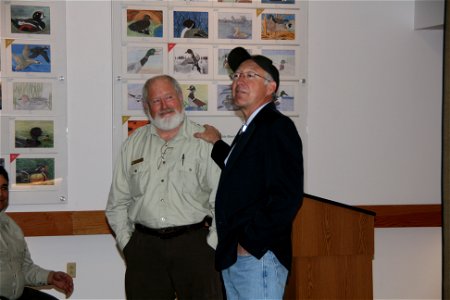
(252, 278)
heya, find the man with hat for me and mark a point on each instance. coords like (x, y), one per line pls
(260, 187)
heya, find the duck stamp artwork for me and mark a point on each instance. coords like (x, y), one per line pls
(277, 26)
(34, 134)
(31, 58)
(134, 96)
(232, 25)
(285, 99)
(190, 62)
(190, 24)
(283, 59)
(32, 96)
(225, 98)
(35, 171)
(144, 23)
(145, 60)
(222, 62)
(195, 97)
(132, 125)
(30, 19)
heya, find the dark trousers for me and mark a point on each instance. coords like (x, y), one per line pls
(181, 267)
(33, 294)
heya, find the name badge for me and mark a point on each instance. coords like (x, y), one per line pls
(137, 161)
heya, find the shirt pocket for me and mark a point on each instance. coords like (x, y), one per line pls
(139, 175)
(189, 175)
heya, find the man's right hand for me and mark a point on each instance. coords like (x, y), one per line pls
(210, 135)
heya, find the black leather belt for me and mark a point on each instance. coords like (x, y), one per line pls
(170, 232)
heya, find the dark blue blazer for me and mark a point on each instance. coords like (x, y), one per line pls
(260, 189)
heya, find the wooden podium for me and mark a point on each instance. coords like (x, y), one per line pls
(333, 249)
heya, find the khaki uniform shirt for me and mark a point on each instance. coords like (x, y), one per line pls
(162, 186)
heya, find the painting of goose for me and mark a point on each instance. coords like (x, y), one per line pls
(30, 58)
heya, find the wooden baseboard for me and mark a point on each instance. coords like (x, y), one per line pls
(62, 222)
(429, 215)
(94, 222)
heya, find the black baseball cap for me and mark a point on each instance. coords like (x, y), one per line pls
(238, 55)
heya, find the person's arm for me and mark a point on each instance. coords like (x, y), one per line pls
(220, 150)
(37, 276)
(213, 180)
(33, 274)
(118, 202)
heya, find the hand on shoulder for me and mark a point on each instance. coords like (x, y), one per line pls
(210, 134)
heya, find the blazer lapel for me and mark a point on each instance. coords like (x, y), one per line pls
(240, 144)
(239, 147)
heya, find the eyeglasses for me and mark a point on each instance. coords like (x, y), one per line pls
(157, 101)
(162, 159)
(246, 75)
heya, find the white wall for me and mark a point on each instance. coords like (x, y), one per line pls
(407, 263)
(375, 95)
(372, 137)
(374, 128)
(100, 271)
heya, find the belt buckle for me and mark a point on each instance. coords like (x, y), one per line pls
(166, 230)
(169, 232)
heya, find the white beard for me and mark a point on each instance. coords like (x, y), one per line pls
(168, 123)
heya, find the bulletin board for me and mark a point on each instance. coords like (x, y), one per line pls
(190, 40)
(33, 97)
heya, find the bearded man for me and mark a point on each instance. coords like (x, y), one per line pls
(161, 202)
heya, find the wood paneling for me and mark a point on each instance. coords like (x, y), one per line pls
(322, 228)
(44, 223)
(94, 222)
(90, 222)
(331, 277)
(61, 222)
